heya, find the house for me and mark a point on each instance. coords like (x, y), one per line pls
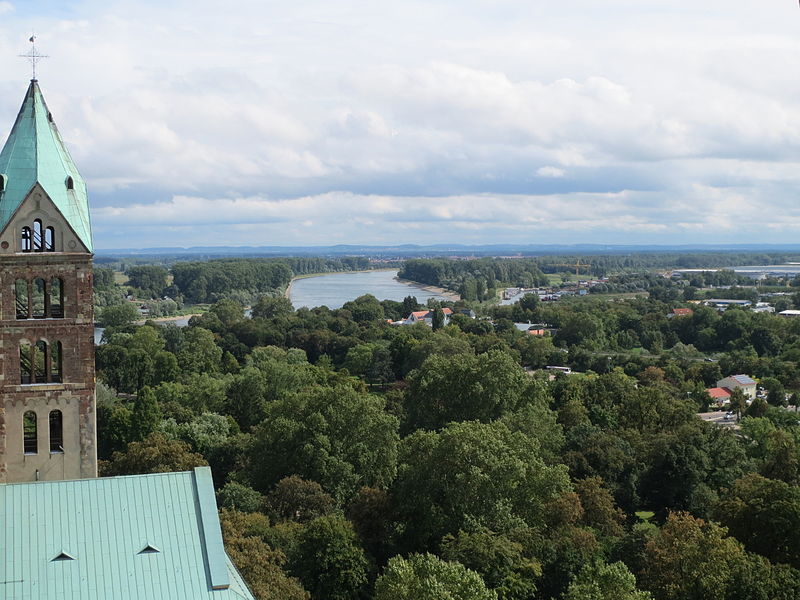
(790, 313)
(742, 382)
(681, 312)
(719, 395)
(426, 316)
(127, 538)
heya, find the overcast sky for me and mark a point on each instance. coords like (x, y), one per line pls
(255, 122)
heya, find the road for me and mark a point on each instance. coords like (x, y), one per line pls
(718, 418)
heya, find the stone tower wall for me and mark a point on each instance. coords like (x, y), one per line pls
(74, 395)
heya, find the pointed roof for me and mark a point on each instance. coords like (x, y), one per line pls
(35, 153)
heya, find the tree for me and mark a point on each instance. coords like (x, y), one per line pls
(236, 496)
(437, 321)
(269, 307)
(471, 472)
(329, 561)
(148, 278)
(690, 559)
(764, 514)
(260, 565)
(119, 315)
(155, 454)
(426, 577)
(296, 499)
(200, 353)
(738, 402)
(364, 309)
(500, 561)
(601, 581)
(146, 415)
(338, 437)
(464, 387)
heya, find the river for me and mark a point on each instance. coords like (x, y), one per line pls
(334, 289)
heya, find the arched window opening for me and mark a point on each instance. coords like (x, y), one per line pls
(49, 240)
(39, 299)
(30, 433)
(56, 363)
(56, 295)
(22, 299)
(41, 358)
(25, 363)
(25, 244)
(38, 236)
(70, 183)
(56, 431)
(3, 179)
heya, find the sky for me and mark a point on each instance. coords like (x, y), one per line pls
(319, 122)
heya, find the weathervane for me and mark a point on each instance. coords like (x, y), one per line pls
(33, 56)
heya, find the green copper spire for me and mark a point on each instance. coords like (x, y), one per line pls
(35, 153)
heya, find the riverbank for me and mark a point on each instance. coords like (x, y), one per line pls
(439, 291)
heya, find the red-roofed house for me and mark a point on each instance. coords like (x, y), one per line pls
(426, 316)
(719, 395)
(682, 312)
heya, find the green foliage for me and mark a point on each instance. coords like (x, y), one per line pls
(236, 496)
(118, 315)
(146, 415)
(689, 559)
(426, 577)
(261, 566)
(329, 561)
(151, 279)
(103, 279)
(499, 560)
(335, 436)
(295, 499)
(600, 581)
(155, 454)
(764, 515)
(464, 387)
(269, 307)
(471, 472)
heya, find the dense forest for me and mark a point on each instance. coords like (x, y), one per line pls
(479, 278)
(358, 460)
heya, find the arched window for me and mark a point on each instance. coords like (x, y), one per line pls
(25, 363)
(38, 236)
(41, 358)
(38, 299)
(22, 299)
(56, 295)
(3, 180)
(56, 363)
(49, 240)
(70, 183)
(30, 433)
(25, 244)
(56, 431)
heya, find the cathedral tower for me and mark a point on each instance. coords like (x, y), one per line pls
(47, 386)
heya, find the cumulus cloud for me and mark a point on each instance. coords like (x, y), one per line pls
(419, 121)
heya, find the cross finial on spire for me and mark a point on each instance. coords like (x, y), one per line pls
(33, 55)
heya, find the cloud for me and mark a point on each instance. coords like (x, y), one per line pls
(420, 121)
(550, 172)
(6, 7)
